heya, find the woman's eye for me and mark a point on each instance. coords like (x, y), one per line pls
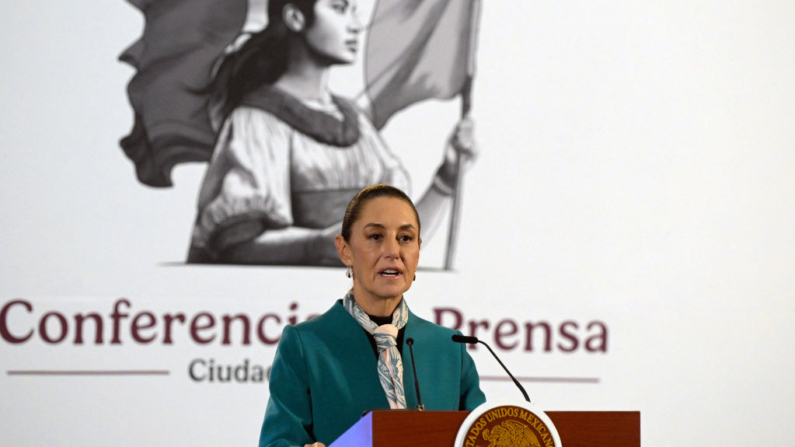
(375, 237)
(339, 7)
(405, 239)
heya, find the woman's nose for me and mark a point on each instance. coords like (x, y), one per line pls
(391, 248)
(355, 24)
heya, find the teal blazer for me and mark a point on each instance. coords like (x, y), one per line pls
(324, 376)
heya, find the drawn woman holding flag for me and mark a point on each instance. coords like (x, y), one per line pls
(289, 155)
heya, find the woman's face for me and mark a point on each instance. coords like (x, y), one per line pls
(334, 35)
(383, 250)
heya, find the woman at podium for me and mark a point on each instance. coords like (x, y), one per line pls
(329, 370)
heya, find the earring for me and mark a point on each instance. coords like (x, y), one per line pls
(349, 272)
(415, 277)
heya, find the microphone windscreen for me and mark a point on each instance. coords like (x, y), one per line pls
(464, 339)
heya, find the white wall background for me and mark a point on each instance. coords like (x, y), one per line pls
(637, 168)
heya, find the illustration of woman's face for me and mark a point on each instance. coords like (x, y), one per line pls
(334, 35)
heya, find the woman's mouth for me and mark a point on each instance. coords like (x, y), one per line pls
(390, 273)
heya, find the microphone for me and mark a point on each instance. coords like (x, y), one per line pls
(472, 340)
(420, 405)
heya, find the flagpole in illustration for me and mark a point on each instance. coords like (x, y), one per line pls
(466, 107)
(419, 50)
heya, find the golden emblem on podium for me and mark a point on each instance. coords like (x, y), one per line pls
(511, 434)
(507, 425)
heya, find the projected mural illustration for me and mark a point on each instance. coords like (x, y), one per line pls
(243, 85)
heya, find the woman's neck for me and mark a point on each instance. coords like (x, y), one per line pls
(305, 78)
(378, 307)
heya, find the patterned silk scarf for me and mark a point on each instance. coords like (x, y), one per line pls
(390, 365)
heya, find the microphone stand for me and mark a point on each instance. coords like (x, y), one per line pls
(472, 340)
(420, 405)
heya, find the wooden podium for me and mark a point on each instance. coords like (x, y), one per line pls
(439, 429)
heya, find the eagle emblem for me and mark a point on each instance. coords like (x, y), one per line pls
(511, 434)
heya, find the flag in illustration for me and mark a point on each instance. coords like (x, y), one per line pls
(182, 39)
(417, 50)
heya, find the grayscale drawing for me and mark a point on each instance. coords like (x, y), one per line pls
(244, 86)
